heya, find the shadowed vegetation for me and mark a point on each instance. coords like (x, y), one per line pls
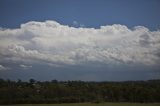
(49, 92)
(91, 104)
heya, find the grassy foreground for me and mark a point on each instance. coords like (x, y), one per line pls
(91, 104)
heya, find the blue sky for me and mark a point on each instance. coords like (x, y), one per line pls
(92, 13)
(80, 39)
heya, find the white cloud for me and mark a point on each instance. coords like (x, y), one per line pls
(25, 66)
(52, 43)
(3, 68)
(82, 26)
(75, 23)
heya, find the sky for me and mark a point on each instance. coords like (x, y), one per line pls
(89, 40)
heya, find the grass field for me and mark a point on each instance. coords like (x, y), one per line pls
(91, 104)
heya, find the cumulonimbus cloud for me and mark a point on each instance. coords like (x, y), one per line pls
(52, 43)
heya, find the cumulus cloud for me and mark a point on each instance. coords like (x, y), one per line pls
(3, 68)
(52, 43)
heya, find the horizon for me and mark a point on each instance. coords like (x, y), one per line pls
(63, 81)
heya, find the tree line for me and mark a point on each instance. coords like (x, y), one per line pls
(20, 92)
